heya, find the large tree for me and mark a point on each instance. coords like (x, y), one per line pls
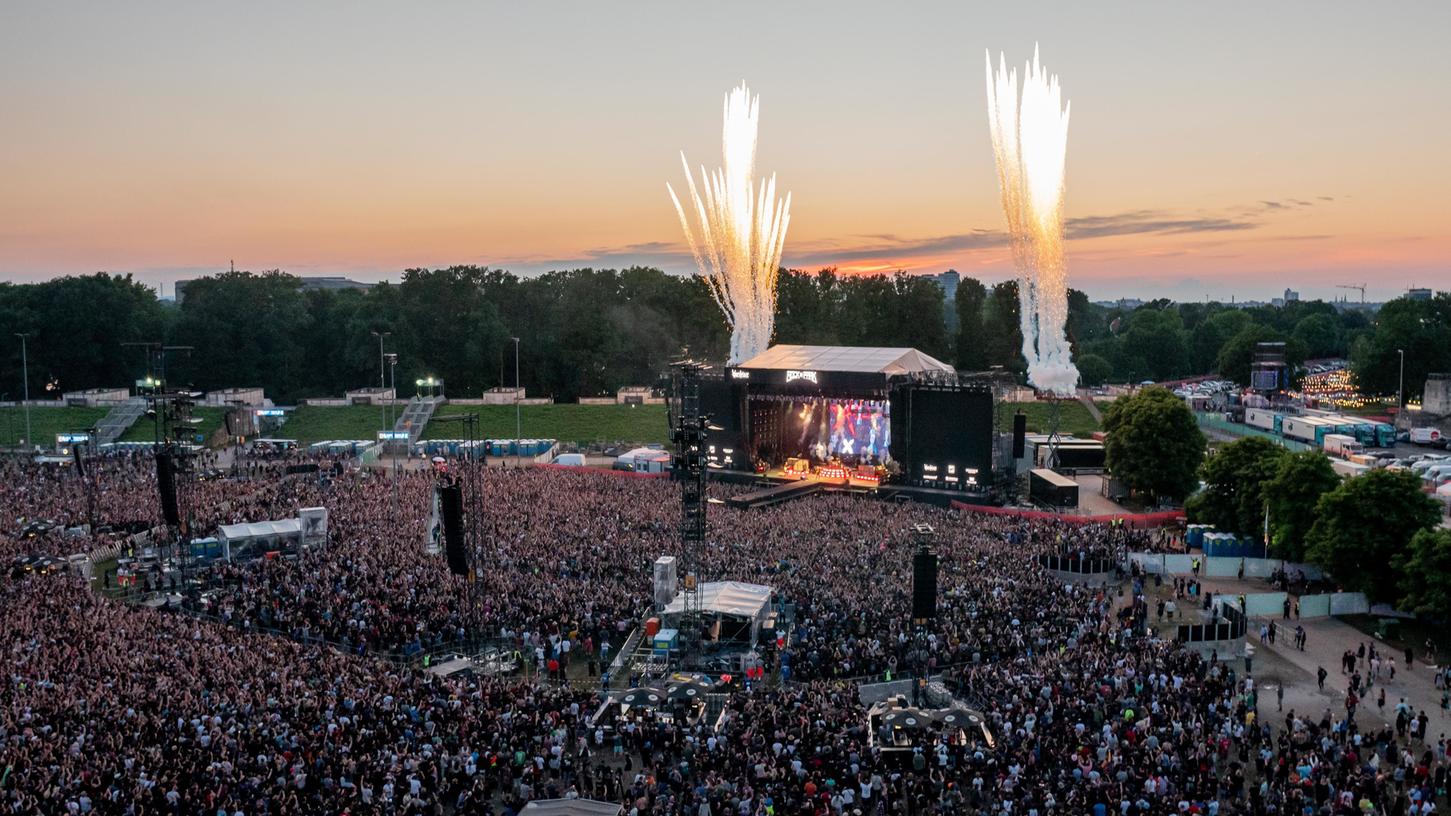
(1004, 340)
(1426, 574)
(1158, 337)
(1233, 498)
(1364, 526)
(1299, 481)
(1420, 328)
(76, 329)
(1153, 443)
(971, 300)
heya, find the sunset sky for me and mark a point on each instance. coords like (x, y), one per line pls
(1216, 149)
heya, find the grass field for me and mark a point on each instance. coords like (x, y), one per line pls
(1074, 417)
(45, 423)
(144, 429)
(312, 423)
(564, 422)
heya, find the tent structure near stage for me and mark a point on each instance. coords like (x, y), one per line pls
(854, 416)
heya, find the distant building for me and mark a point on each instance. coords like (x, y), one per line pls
(948, 281)
(332, 282)
(1291, 296)
(1436, 398)
(1419, 294)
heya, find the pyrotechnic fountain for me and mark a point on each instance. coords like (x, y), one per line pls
(1030, 141)
(741, 228)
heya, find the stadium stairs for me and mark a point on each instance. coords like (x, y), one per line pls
(415, 417)
(121, 417)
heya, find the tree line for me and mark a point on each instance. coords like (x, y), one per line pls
(586, 332)
(1376, 533)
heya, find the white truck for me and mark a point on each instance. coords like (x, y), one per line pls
(1426, 436)
(1342, 445)
(1348, 469)
(1261, 418)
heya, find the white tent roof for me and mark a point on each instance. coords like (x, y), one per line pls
(260, 529)
(727, 598)
(856, 359)
(572, 807)
(643, 453)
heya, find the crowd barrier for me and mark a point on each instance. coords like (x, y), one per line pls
(1214, 566)
(1075, 565)
(1137, 521)
(1233, 626)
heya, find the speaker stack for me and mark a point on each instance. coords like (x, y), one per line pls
(1020, 433)
(450, 505)
(924, 585)
(166, 485)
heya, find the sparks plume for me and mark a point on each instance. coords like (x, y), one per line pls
(741, 229)
(1030, 142)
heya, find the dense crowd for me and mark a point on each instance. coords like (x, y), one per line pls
(107, 707)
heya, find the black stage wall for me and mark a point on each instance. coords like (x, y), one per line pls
(943, 435)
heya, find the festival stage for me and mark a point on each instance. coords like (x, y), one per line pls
(851, 418)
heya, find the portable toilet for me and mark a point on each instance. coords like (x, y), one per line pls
(665, 642)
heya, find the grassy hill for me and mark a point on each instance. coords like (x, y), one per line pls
(45, 423)
(314, 423)
(564, 422)
(144, 429)
(1074, 418)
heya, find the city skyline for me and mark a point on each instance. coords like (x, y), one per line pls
(1216, 152)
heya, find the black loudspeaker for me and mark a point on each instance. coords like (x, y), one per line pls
(450, 504)
(1020, 431)
(166, 484)
(80, 462)
(924, 585)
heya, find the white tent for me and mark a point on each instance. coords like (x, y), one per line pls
(853, 359)
(251, 539)
(729, 598)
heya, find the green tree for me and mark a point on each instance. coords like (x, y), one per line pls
(1004, 341)
(1320, 335)
(1237, 355)
(1363, 528)
(1093, 369)
(1233, 498)
(1299, 481)
(970, 300)
(1421, 328)
(1161, 336)
(245, 330)
(77, 327)
(1154, 443)
(1211, 334)
(1425, 570)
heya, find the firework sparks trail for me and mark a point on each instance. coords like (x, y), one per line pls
(1030, 142)
(740, 229)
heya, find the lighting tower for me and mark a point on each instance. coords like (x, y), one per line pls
(689, 429)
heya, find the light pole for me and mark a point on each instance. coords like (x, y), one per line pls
(383, 413)
(1401, 386)
(393, 380)
(518, 422)
(25, 373)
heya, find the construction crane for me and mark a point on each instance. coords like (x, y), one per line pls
(1359, 286)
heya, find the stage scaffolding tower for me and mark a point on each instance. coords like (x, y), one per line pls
(689, 429)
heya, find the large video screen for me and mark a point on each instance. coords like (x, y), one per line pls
(949, 435)
(852, 430)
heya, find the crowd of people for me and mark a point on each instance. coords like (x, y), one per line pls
(282, 692)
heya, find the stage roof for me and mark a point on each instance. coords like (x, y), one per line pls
(853, 359)
(260, 529)
(727, 598)
(572, 807)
